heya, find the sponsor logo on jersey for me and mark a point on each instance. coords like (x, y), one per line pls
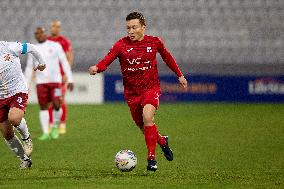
(136, 61)
(149, 49)
(128, 50)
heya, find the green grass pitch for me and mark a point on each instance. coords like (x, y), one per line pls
(218, 145)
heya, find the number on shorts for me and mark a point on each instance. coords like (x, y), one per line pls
(20, 100)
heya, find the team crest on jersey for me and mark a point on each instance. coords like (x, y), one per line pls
(7, 57)
(149, 49)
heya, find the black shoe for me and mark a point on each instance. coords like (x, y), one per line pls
(26, 164)
(152, 165)
(168, 153)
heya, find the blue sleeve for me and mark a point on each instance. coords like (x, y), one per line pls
(25, 48)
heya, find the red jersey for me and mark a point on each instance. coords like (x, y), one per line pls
(138, 63)
(65, 44)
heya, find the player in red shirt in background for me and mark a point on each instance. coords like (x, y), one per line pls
(55, 30)
(137, 57)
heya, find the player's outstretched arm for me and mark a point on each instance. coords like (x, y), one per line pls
(168, 58)
(171, 63)
(106, 61)
(40, 62)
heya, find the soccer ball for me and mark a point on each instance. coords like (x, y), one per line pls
(125, 160)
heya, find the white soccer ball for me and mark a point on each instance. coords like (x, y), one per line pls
(125, 160)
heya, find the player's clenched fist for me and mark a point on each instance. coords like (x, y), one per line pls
(40, 67)
(93, 70)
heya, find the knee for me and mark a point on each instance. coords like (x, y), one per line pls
(56, 105)
(14, 120)
(148, 119)
(44, 106)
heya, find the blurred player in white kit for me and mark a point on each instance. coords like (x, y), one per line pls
(14, 96)
(49, 82)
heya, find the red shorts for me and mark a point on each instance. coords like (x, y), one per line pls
(137, 103)
(48, 92)
(19, 101)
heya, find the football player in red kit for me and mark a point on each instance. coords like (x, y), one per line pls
(55, 30)
(137, 57)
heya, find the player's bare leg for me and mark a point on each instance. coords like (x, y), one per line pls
(14, 143)
(14, 116)
(57, 111)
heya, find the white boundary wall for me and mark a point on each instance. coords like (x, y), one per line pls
(87, 90)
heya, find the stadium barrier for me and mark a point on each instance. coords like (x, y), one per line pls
(208, 88)
(109, 88)
(87, 90)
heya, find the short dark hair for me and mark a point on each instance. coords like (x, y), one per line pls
(136, 15)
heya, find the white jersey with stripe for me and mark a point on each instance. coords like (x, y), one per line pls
(12, 80)
(53, 55)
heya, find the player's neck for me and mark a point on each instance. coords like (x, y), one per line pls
(55, 35)
(141, 39)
